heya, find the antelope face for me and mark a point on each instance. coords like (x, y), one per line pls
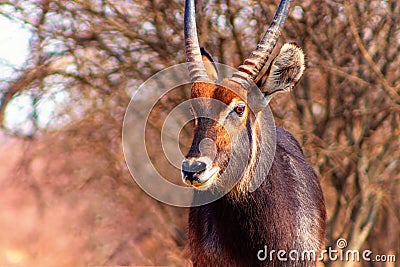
(220, 117)
(224, 115)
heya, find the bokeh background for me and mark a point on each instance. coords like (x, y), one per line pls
(66, 196)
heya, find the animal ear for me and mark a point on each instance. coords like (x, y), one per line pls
(209, 64)
(284, 72)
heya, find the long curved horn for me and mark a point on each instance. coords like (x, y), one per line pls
(196, 68)
(251, 67)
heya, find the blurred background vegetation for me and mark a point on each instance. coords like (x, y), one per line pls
(66, 196)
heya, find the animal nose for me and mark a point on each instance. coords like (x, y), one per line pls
(192, 169)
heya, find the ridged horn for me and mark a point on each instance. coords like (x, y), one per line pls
(197, 71)
(251, 67)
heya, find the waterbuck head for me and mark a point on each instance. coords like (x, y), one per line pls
(220, 129)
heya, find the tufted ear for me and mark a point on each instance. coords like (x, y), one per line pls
(284, 72)
(209, 64)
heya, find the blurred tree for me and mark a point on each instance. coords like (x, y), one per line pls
(345, 112)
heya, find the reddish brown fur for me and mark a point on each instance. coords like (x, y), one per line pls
(222, 93)
(202, 89)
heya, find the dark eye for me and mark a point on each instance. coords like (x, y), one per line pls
(239, 109)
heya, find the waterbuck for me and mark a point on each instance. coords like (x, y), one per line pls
(287, 211)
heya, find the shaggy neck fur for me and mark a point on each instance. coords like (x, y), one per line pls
(286, 212)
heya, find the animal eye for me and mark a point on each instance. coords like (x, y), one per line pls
(239, 109)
